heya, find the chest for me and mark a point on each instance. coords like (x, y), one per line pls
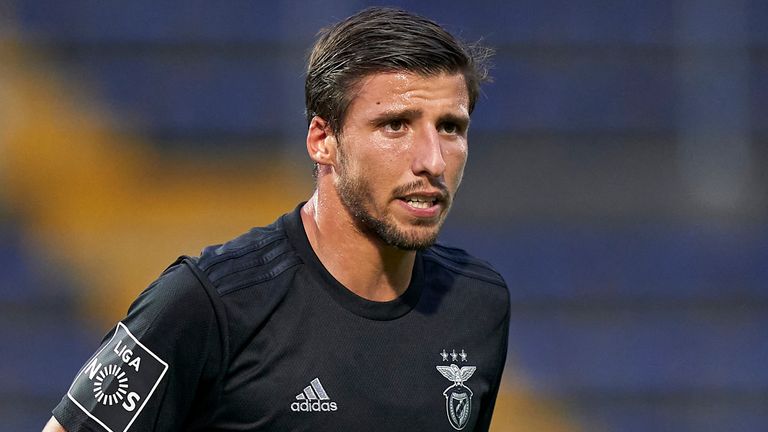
(315, 366)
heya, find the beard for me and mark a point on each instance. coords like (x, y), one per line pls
(356, 195)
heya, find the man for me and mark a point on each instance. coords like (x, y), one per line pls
(342, 315)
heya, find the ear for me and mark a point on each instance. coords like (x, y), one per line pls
(321, 143)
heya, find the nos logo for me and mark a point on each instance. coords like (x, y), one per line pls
(116, 383)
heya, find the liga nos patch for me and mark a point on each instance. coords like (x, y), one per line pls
(116, 383)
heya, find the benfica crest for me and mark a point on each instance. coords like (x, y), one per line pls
(458, 397)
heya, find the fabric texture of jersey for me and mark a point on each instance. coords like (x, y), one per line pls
(257, 335)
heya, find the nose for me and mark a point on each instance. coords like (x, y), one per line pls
(428, 154)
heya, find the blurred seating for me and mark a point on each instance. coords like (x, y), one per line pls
(43, 338)
(651, 328)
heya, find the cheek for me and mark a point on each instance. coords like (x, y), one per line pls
(391, 149)
(373, 167)
(456, 157)
(386, 156)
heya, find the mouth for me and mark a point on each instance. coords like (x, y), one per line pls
(423, 202)
(420, 201)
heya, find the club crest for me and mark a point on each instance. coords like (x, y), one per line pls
(458, 397)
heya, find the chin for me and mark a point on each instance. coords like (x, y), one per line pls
(411, 239)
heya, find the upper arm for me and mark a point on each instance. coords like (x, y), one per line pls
(53, 425)
(154, 365)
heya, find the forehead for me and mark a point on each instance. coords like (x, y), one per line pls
(392, 90)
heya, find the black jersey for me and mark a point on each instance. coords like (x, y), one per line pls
(256, 335)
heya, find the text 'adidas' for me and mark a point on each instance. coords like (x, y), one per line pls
(313, 399)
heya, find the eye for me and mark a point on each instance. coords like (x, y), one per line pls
(450, 128)
(394, 126)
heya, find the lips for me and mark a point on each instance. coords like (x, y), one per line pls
(424, 203)
(422, 199)
(420, 202)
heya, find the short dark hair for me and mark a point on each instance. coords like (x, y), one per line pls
(379, 40)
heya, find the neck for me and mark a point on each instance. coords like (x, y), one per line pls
(360, 261)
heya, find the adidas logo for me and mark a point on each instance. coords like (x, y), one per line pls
(313, 399)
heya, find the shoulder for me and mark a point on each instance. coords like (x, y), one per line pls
(473, 279)
(461, 263)
(256, 257)
(157, 305)
(177, 283)
(467, 286)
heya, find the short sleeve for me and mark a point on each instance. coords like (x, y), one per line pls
(157, 367)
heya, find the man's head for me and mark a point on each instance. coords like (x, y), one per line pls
(383, 40)
(389, 96)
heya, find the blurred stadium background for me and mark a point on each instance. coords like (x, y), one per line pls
(617, 179)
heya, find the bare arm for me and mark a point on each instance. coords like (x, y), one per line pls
(53, 426)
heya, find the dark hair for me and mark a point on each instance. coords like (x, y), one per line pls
(382, 40)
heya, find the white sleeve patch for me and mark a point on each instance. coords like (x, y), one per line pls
(116, 383)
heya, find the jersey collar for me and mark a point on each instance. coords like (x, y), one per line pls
(342, 295)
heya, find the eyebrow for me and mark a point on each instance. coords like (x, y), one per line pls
(412, 114)
(392, 115)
